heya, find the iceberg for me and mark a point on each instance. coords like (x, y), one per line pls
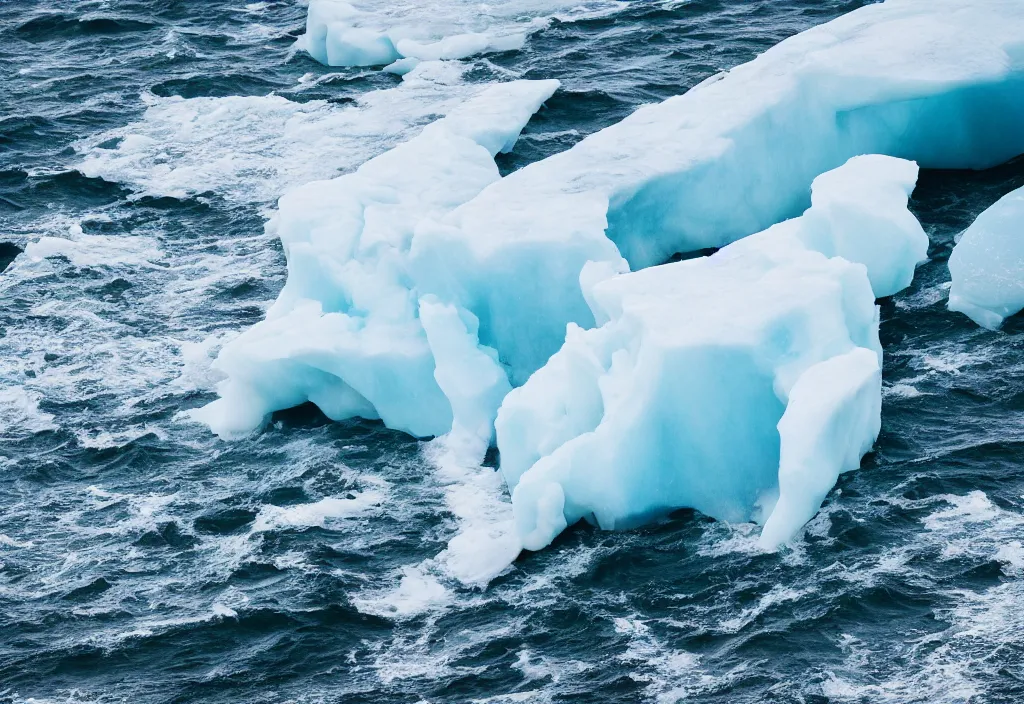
(939, 82)
(350, 332)
(426, 241)
(740, 384)
(987, 264)
(397, 34)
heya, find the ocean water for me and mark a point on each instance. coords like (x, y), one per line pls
(143, 144)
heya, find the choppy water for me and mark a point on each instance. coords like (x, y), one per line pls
(142, 144)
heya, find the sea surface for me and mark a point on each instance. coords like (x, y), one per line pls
(143, 145)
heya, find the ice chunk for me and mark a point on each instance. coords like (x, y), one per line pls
(346, 332)
(470, 376)
(987, 264)
(352, 46)
(885, 237)
(940, 82)
(833, 416)
(739, 384)
(377, 33)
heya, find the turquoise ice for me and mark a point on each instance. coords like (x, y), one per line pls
(987, 264)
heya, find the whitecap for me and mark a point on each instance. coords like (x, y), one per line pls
(418, 592)
(20, 415)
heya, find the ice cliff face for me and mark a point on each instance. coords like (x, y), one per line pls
(739, 384)
(987, 264)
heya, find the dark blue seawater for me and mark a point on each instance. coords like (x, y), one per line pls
(143, 560)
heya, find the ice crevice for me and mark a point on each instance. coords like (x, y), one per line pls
(426, 291)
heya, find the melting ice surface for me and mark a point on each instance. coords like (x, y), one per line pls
(740, 384)
(364, 33)
(987, 264)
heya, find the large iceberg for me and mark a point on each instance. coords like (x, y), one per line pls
(427, 241)
(987, 264)
(940, 82)
(739, 384)
(350, 331)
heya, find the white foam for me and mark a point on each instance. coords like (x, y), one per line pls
(293, 560)
(956, 664)
(670, 675)
(902, 390)
(318, 514)
(20, 414)
(252, 149)
(937, 363)
(8, 541)
(485, 543)
(776, 595)
(425, 656)
(99, 349)
(1012, 556)
(723, 538)
(972, 508)
(418, 592)
(968, 527)
(96, 250)
(972, 526)
(224, 611)
(530, 695)
(482, 545)
(80, 336)
(102, 439)
(950, 667)
(924, 298)
(950, 363)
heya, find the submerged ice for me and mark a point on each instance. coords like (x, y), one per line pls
(740, 384)
(987, 264)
